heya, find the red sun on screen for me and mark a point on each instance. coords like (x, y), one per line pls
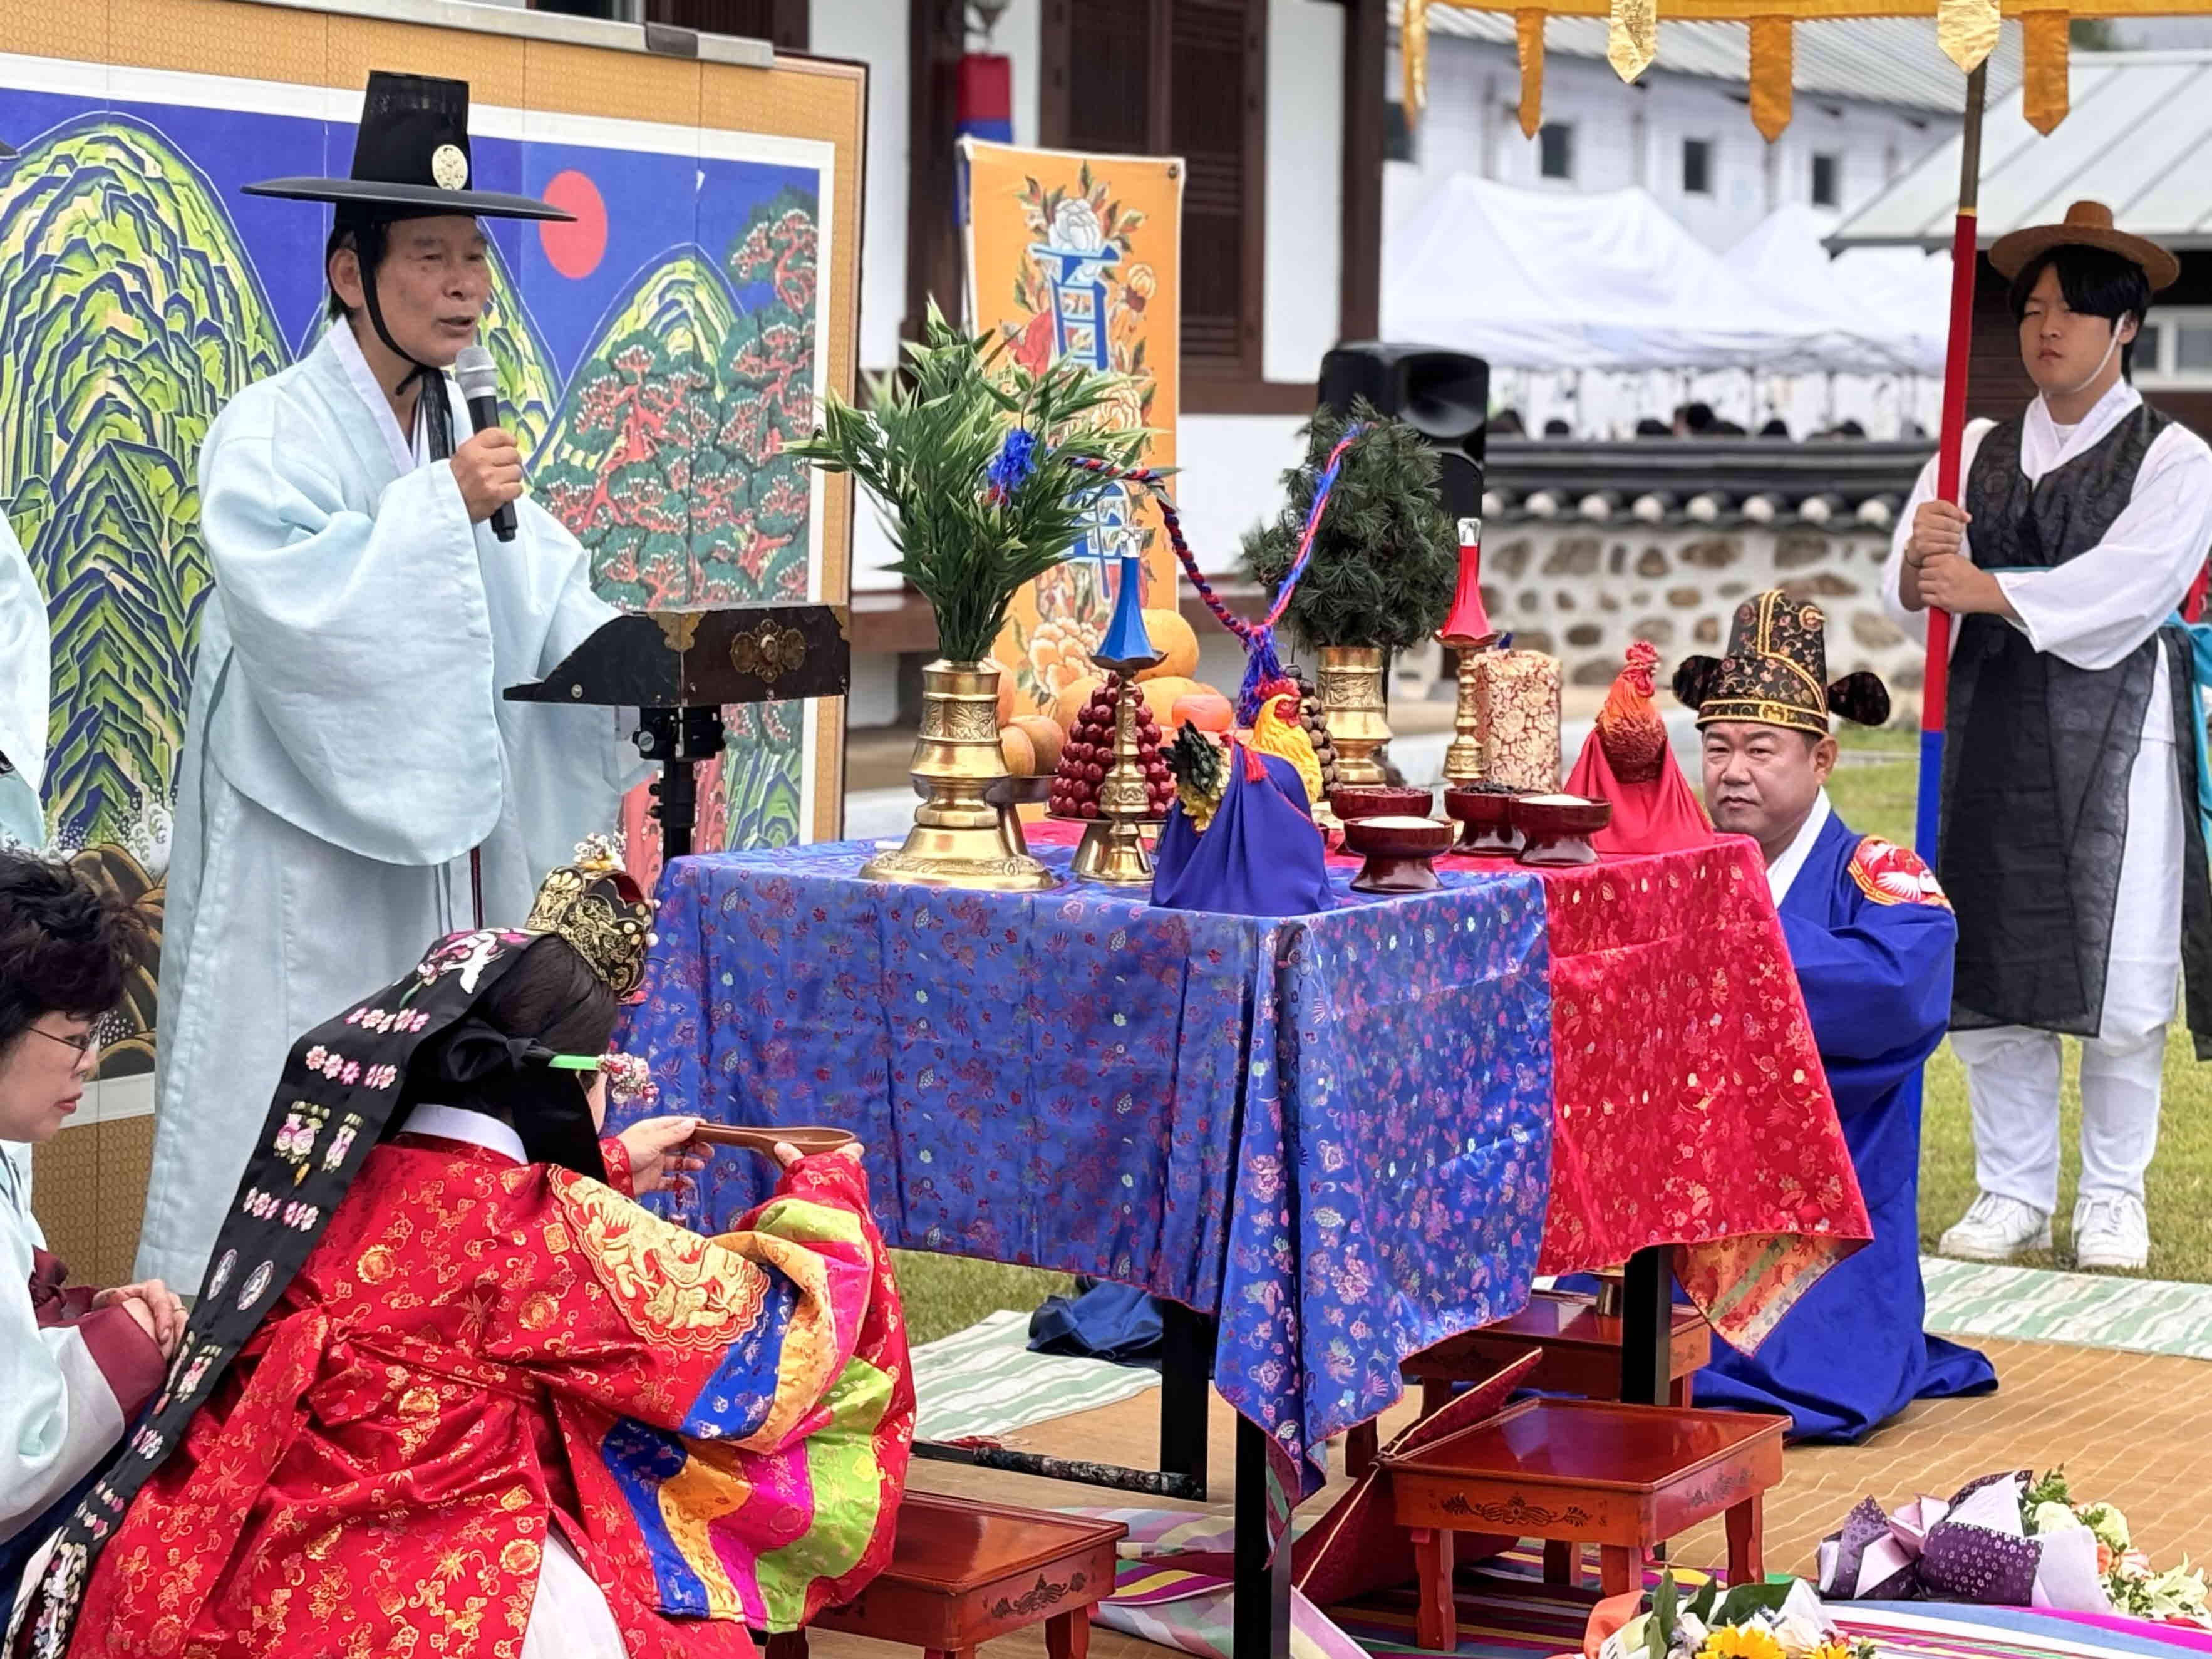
(574, 246)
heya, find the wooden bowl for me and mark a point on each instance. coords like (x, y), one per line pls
(809, 1138)
(1557, 827)
(1487, 821)
(1378, 800)
(1400, 853)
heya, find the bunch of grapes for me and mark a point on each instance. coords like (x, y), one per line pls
(1088, 756)
(1316, 733)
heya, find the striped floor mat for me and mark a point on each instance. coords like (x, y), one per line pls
(983, 1382)
(1505, 1611)
(2096, 1310)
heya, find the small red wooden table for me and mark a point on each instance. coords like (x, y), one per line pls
(1575, 1472)
(1581, 1349)
(963, 1572)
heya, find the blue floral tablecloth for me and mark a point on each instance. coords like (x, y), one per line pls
(1333, 1131)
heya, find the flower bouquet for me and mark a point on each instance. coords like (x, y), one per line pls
(1746, 1621)
(983, 472)
(2008, 1540)
(2177, 1595)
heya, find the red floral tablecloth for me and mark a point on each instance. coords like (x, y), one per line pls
(1690, 1107)
(1689, 1104)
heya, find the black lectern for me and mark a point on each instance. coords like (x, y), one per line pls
(679, 668)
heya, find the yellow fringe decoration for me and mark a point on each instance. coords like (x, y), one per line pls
(1414, 54)
(1631, 37)
(1528, 41)
(2044, 96)
(1967, 30)
(1773, 67)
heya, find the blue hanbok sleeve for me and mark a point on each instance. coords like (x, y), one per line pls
(1878, 988)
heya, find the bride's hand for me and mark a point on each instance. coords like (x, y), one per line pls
(661, 1150)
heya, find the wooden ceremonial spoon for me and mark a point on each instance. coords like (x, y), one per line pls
(808, 1138)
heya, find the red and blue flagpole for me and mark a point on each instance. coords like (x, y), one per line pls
(1965, 257)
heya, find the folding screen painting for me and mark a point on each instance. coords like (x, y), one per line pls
(657, 355)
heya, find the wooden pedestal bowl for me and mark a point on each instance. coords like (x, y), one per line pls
(1378, 800)
(1400, 853)
(1486, 820)
(1557, 827)
(808, 1138)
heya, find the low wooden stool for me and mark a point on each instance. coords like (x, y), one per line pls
(1581, 1350)
(1576, 1471)
(962, 1573)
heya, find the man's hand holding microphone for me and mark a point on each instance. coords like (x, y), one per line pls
(489, 466)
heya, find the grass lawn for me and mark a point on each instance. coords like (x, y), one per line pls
(1873, 789)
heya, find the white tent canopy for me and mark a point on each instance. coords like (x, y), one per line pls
(1543, 279)
(1557, 281)
(1891, 306)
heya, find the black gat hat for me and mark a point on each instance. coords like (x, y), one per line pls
(411, 160)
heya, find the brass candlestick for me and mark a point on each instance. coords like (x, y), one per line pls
(1467, 631)
(1463, 759)
(1113, 849)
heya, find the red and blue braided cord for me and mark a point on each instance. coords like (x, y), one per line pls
(1262, 665)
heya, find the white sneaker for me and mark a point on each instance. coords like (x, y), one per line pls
(2111, 1232)
(1996, 1230)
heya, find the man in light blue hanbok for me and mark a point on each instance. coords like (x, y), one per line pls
(26, 686)
(350, 773)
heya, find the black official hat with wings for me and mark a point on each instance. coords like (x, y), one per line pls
(411, 159)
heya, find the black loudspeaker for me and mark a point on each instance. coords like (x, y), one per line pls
(1442, 395)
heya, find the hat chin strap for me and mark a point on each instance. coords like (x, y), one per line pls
(2090, 379)
(437, 411)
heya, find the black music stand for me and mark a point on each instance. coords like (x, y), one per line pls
(680, 669)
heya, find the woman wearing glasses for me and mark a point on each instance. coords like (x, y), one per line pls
(76, 1363)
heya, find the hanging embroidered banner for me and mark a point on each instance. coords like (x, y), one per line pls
(1080, 257)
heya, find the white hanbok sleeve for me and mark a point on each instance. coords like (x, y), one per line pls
(59, 1409)
(26, 692)
(361, 644)
(2099, 606)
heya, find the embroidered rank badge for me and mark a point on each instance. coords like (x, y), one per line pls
(1890, 874)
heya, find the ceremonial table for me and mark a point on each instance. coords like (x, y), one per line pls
(1344, 1137)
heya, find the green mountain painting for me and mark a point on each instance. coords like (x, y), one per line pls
(131, 309)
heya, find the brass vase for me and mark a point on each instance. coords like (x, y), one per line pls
(1351, 693)
(960, 838)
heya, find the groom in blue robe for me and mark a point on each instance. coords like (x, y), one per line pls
(1871, 935)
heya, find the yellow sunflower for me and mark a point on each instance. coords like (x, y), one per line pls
(1741, 1642)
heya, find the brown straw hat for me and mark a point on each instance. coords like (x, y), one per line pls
(2088, 224)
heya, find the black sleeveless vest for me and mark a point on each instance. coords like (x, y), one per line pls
(2037, 757)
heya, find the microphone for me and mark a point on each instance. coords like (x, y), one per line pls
(479, 380)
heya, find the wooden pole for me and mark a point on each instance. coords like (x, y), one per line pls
(1965, 257)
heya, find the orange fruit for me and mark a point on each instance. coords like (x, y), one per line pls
(1021, 754)
(1204, 708)
(1169, 632)
(1073, 699)
(1046, 738)
(1006, 690)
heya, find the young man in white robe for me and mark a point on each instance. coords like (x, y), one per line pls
(351, 772)
(76, 1363)
(2072, 846)
(26, 687)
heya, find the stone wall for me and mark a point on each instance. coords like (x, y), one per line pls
(1582, 590)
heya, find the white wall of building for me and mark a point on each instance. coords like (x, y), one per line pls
(1230, 463)
(1629, 135)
